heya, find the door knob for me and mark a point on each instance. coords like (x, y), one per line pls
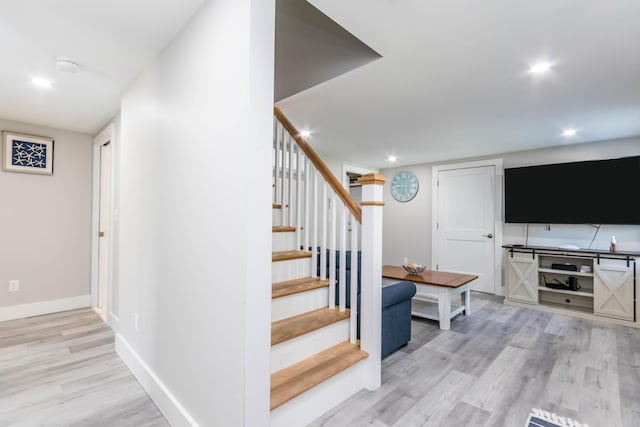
(488, 235)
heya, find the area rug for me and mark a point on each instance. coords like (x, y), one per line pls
(540, 418)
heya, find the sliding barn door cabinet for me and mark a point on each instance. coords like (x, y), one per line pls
(581, 282)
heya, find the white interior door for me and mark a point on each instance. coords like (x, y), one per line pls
(465, 229)
(103, 227)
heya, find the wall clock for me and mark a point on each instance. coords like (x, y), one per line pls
(404, 186)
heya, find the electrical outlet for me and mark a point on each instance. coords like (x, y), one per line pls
(14, 285)
(136, 321)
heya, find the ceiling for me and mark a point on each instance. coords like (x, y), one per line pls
(311, 48)
(112, 41)
(453, 80)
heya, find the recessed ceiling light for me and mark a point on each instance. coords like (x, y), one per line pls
(305, 133)
(568, 133)
(540, 67)
(392, 158)
(41, 82)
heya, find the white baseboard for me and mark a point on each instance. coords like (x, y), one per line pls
(44, 307)
(172, 410)
(114, 322)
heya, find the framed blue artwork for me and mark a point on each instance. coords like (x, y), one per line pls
(27, 153)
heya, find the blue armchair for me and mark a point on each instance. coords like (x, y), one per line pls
(396, 305)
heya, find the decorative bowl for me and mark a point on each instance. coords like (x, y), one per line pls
(414, 268)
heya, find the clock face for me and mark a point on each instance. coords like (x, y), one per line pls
(404, 186)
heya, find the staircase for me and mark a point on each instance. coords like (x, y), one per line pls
(317, 360)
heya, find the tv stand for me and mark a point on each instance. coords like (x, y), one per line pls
(607, 282)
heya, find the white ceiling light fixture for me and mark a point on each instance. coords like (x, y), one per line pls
(540, 67)
(392, 159)
(305, 133)
(41, 82)
(568, 133)
(67, 65)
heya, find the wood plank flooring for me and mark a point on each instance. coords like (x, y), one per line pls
(491, 368)
(62, 370)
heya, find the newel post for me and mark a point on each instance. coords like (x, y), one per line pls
(371, 285)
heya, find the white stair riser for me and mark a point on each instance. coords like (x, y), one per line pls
(283, 241)
(276, 217)
(311, 404)
(290, 269)
(295, 350)
(292, 305)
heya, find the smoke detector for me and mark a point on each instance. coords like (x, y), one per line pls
(65, 64)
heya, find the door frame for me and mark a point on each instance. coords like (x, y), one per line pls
(107, 135)
(355, 169)
(497, 241)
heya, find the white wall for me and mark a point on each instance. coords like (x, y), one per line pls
(45, 225)
(407, 226)
(337, 165)
(195, 216)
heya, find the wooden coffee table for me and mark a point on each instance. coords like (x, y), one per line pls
(434, 288)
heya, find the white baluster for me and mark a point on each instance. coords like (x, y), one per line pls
(353, 315)
(278, 131)
(307, 189)
(323, 246)
(342, 281)
(274, 162)
(290, 189)
(298, 223)
(332, 252)
(314, 249)
(282, 179)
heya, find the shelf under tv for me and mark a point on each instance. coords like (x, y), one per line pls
(562, 291)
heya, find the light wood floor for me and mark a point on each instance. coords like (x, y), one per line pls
(62, 370)
(491, 368)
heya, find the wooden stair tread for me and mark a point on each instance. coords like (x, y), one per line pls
(282, 229)
(287, 255)
(290, 287)
(302, 376)
(292, 327)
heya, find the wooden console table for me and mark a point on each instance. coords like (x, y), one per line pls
(442, 285)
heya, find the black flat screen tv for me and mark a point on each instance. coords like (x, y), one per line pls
(590, 192)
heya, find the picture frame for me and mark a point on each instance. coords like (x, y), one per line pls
(27, 153)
